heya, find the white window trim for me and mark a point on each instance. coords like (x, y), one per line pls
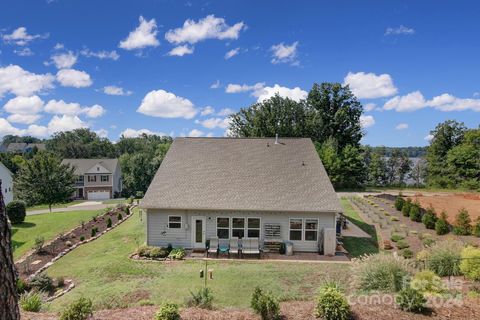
(181, 222)
(230, 226)
(305, 229)
(290, 229)
(259, 227)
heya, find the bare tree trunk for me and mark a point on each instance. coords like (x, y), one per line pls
(8, 277)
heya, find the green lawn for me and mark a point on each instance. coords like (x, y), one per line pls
(104, 273)
(58, 205)
(47, 225)
(359, 246)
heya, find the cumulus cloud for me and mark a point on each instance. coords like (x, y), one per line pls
(215, 85)
(444, 102)
(65, 123)
(237, 88)
(133, 133)
(21, 37)
(63, 108)
(410, 102)
(24, 105)
(102, 133)
(226, 112)
(74, 78)
(296, 93)
(401, 30)
(180, 51)
(370, 86)
(145, 35)
(6, 128)
(282, 53)
(428, 137)
(207, 110)
(232, 53)
(213, 123)
(367, 121)
(209, 27)
(401, 126)
(15, 80)
(24, 118)
(64, 60)
(103, 54)
(24, 52)
(163, 104)
(94, 111)
(116, 91)
(370, 107)
(195, 133)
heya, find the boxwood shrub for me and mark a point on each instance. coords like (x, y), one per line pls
(332, 303)
(16, 211)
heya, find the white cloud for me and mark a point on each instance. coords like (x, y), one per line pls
(215, 85)
(401, 126)
(74, 78)
(14, 79)
(410, 102)
(209, 27)
(24, 52)
(370, 107)
(145, 35)
(207, 110)
(444, 102)
(102, 133)
(65, 123)
(116, 91)
(24, 105)
(180, 51)
(428, 137)
(367, 121)
(24, 118)
(296, 93)
(399, 30)
(226, 112)
(94, 111)
(62, 107)
(58, 46)
(6, 128)
(103, 54)
(232, 53)
(370, 86)
(64, 60)
(213, 123)
(21, 37)
(283, 53)
(195, 133)
(37, 131)
(133, 133)
(237, 88)
(163, 104)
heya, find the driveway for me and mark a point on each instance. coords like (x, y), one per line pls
(84, 206)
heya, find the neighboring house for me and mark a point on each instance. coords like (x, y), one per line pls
(21, 147)
(245, 188)
(97, 179)
(6, 177)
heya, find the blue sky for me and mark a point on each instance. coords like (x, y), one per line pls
(179, 67)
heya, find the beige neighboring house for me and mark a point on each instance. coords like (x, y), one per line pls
(6, 177)
(273, 190)
(97, 179)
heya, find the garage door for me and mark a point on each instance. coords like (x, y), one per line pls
(98, 195)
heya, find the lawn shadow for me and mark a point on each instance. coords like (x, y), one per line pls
(24, 225)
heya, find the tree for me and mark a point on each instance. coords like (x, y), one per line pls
(331, 160)
(43, 179)
(8, 277)
(377, 170)
(462, 224)
(418, 172)
(464, 161)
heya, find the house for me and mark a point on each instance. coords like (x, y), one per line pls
(21, 147)
(6, 177)
(97, 179)
(274, 190)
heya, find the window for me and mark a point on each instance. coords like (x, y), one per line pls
(104, 178)
(79, 178)
(296, 226)
(174, 222)
(238, 227)
(223, 228)
(311, 229)
(253, 229)
(92, 178)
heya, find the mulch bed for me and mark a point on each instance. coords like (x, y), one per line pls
(35, 261)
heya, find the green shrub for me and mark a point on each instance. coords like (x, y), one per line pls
(94, 232)
(22, 286)
(470, 264)
(82, 238)
(399, 201)
(168, 311)
(382, 272)
(16, 211)
(397, 237)
(109, 223)
(444, 258)
(130, 199)
(411, 300)
(203, 298)
(406, 253)
(476, 228)
(415, 212)
(152, 252)
(80, 309)
(427, 282)
(441, 225)
(60, 282)
(31, 301)
(402, 244)
(41, 282)
(428, 242)
(177, 254)
(38, 244)
(265, 304)
(119, 216)
(406, 207)
(462, 226)
(332, 304)
(429, 218)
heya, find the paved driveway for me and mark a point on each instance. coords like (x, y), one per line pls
(84, 206)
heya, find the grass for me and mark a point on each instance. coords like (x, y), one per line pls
(359, 246)
(54, 206)
(47, 225)
(103, 272)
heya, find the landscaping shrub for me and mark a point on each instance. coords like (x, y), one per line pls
(22, 286)
(38, 244)
(470, 264)
(444, 258)
(203, 298)
(429, 218)
(82, 238)
(383, 272)
(60, 282)
(415, 212)
(265, 304)
(42, 282)
(177, 254)
(16, 211)
(406, 253)
(119, 216)
(152, 252)
(168, 311)
(80, 309)
(462, 226)
(130, 199)
(169, 247)
(397, 237)
(441, 225)
(406, 207)
(411, 300)
(402, 244)
(427, 282)
(109, 223)
(332, 304)
(399, 201)
(94, 232)
(31, 301)
(428, 242)
(476, 228)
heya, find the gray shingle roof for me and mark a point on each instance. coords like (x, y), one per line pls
(242, 174)
(82, 165)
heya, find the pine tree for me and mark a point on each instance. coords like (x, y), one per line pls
(463, 222)
(441, 226)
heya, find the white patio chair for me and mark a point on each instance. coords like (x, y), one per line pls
(251, 246)
(234, 246)
(213, 247)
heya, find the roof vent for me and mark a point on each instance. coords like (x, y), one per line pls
(276, 139)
